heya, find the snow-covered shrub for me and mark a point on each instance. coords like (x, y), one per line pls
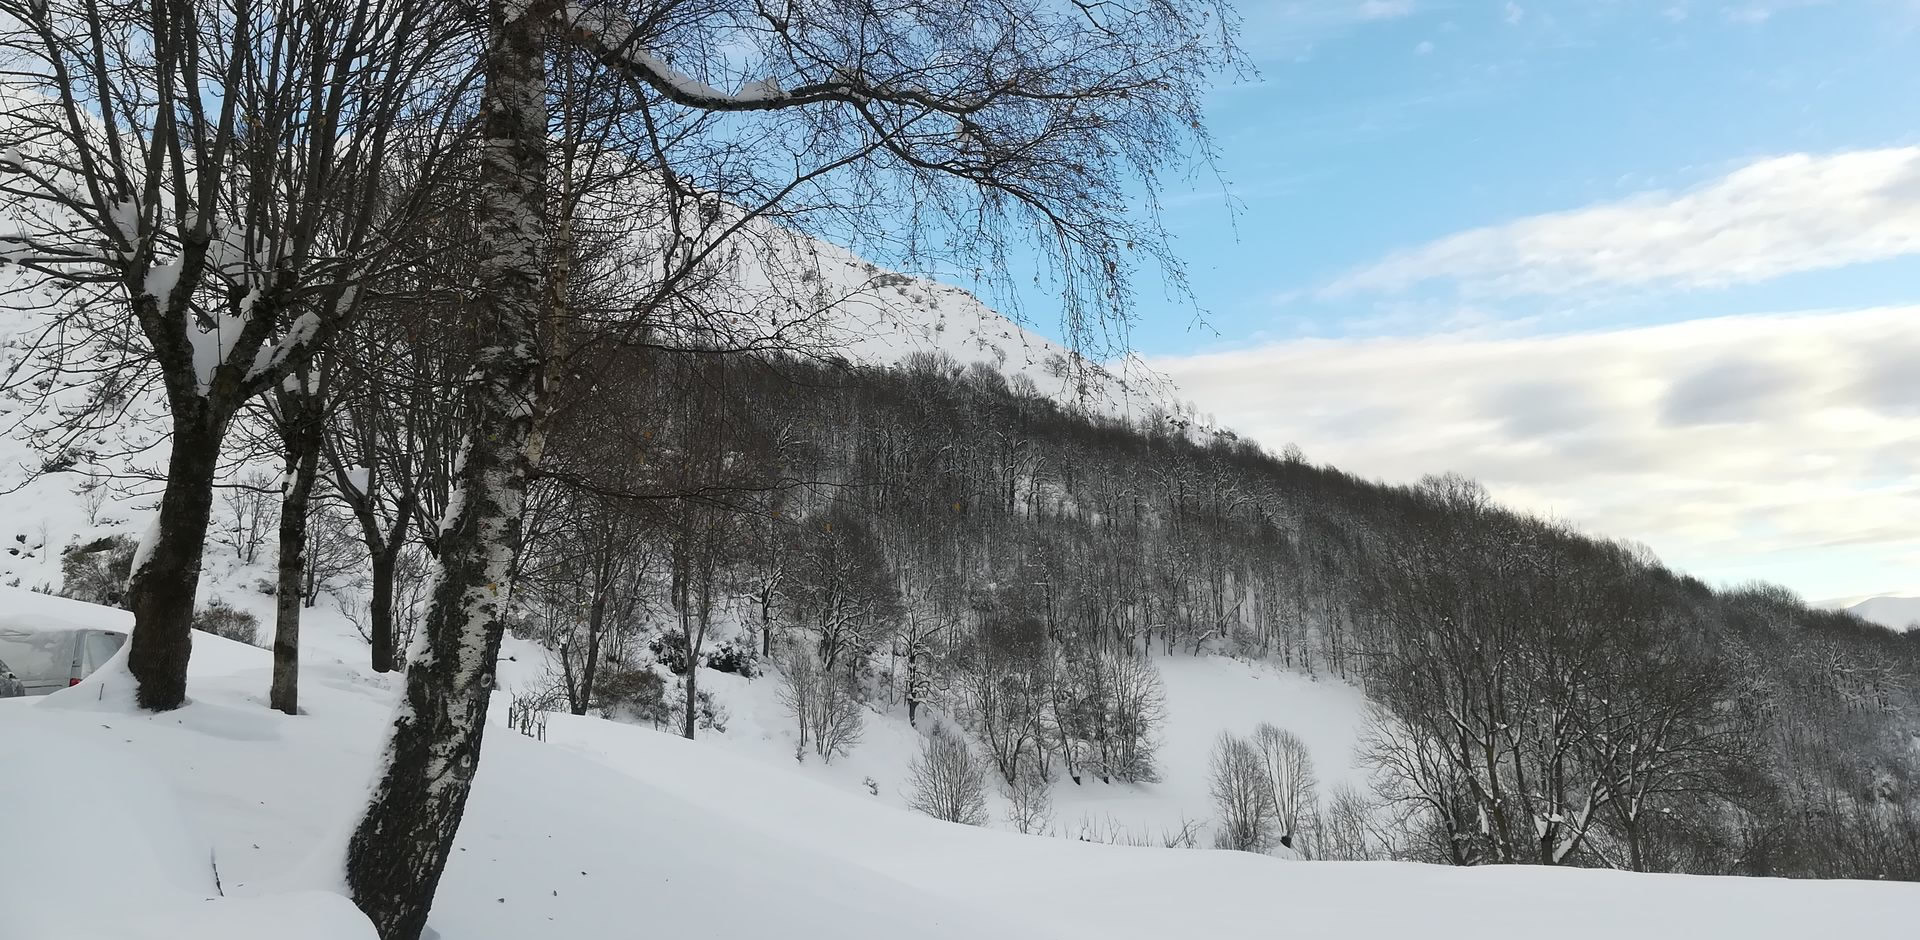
(627, 691)
(709, 714)
(230, 622)
(670, 650)
(736, 656)
(947, 781)
(97, 571)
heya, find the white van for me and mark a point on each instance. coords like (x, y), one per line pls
(45, 661)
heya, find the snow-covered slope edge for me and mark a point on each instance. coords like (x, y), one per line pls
(604, 829)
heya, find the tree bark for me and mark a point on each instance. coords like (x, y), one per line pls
(693, 658)
(300, 415)
(162, 588)
(380, 607)
(396, 855)
(596, 620)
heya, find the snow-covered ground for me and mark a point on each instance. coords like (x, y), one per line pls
(117, 821)
(1204, 695)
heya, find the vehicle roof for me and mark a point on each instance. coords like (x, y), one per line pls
(30, 612)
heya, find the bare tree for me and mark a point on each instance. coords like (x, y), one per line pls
(1004, 688)
(1344, 832)
(394, 426)
(947, 781)
(1288, 766)
(1241, 796)
(1030, 803)
(823, 704)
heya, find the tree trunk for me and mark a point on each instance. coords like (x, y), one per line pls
(913, 685)
(693, 671)
(301, 415)
(1635, 855)
(162, 588)
(693, 664)
(380, 608)
(596, 620)
(766, 621)
(397, 853)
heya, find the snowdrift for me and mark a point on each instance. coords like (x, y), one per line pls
(117, 822)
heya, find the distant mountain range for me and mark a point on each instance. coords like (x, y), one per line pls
(1893, 611)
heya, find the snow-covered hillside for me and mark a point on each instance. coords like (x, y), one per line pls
(604, 829)
(1893, 611)
(1204, 696)
(862, 313)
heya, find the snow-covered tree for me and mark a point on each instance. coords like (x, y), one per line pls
(202, 180)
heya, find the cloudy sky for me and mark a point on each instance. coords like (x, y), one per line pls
(1652, 268)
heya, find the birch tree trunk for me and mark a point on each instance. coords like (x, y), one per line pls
(397, 853)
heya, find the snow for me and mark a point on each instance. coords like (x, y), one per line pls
(301, 331)
(161, 278)
(212, 347)
(26, 610)
(870, 315)
(605, 826)
(357, 478)
(1205, 695)
(1893, 611)
(104, 849)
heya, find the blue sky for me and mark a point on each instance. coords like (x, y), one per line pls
(1374, 127)
(1642, 266)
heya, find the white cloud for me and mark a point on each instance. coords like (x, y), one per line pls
(1515, 13)
(1385, 9)
(1775, 216)
(1759, 12)
(1291, 30)
(1424, 48)
(1738, 447)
